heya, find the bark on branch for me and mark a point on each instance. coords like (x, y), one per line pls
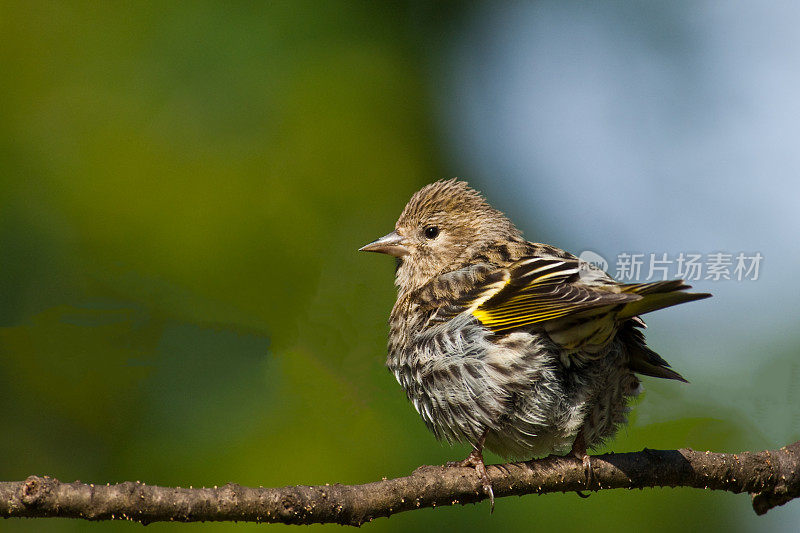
(771, 477)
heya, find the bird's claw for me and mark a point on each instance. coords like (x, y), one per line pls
(587, 468)
(475, 460)
(487, 488)
(579, 452)
(480, 468)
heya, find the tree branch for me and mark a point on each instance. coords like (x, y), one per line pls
(771, 477)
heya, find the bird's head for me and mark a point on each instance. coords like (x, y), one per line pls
(442, 228)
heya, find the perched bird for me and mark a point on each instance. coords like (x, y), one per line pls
(509, 345)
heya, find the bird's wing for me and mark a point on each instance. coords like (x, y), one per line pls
(569, 297)
(579, 307)
(537, 289)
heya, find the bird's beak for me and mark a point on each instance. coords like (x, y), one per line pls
(391, 244)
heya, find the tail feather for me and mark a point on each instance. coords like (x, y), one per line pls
(657, 295)
(642, 359)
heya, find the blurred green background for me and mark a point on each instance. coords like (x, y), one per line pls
(183, 190)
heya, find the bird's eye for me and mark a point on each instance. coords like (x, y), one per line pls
(431, 232)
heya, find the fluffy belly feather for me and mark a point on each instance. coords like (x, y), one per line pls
(517, 389)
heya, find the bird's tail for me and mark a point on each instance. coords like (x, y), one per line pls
(654, 296)
(657, 295)
(642, 359)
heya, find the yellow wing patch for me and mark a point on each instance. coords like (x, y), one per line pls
(538, 290)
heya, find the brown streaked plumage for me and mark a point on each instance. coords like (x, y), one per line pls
(514, 346)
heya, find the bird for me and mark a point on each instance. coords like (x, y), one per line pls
(517, 347)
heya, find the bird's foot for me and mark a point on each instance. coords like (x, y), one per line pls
(579, 452)
(586, 460)
(587, 469)
(475, 460)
